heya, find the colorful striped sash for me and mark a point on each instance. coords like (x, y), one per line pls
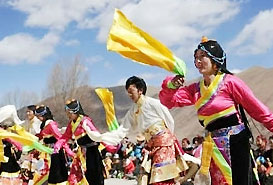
(76, 124)
(206, 94)
(207, 119)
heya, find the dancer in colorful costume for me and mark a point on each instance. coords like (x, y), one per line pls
(87, 166)
(32, 124)
(9, 168)
(216, 97)
(12, 138)
(50, 134)
(149, 116)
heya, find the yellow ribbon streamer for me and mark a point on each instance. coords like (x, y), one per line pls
(133, 43)
(206, 154)
(22, 132)
(107, 99)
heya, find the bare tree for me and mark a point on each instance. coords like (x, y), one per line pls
(67, 80)
(19, 98)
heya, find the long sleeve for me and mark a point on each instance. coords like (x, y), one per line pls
(55, 130)
(64, 138)
(111, 138)
(243, 95)
(183, 96)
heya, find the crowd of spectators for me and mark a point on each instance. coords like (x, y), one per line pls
(263, 156)
(126, 163)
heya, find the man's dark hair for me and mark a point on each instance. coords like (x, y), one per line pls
(138, 82)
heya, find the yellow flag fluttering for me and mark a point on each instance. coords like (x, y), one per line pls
(107, 99)
(133, 43)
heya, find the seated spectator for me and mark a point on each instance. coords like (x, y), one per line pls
(137, 152)
(269, 153)
(261, 144)
(129, 168)
(108, 164)
(123, 145)
(259, 155)
(197, 146)
(186, 146)
(117, 169)
(269, 159)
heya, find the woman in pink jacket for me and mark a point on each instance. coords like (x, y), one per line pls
(217, 98)
(49, 135)
(87, 152)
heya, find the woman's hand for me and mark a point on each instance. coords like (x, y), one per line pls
(178, 81)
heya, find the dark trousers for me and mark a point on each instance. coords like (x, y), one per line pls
(94, 172)
(58, 171)
(240, 159)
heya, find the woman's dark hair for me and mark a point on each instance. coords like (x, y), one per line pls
(215, 52)
(31, 107)
(138, 82)
(74, 106)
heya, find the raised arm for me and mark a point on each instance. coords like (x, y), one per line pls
(171, 96)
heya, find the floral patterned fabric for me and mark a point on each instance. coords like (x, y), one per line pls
(163, 155)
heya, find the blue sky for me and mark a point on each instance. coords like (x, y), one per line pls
(35, 34)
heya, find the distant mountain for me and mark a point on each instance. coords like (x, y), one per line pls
(259, 79)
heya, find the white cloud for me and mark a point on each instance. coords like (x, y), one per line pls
(179, 21)
(256, 37)
(24, 47)
(55, 14)
(175, 22)
(73, 42)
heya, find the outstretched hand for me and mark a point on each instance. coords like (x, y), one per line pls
(178, 81)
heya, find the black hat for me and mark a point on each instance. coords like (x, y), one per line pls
(43, 111)
(215, 52)
(74, 106)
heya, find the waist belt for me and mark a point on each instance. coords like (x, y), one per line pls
(154, 129)
(223, 122)
(228, 131)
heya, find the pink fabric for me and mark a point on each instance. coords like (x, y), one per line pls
(130, 168)
(111, 148)
(52, 130)
(232, 91)
(162, 150)
(197, 152)
(15, 143)
(216, 174)
(68, 132)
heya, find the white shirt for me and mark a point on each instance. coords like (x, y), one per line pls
(145, 113)
(140, 116)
